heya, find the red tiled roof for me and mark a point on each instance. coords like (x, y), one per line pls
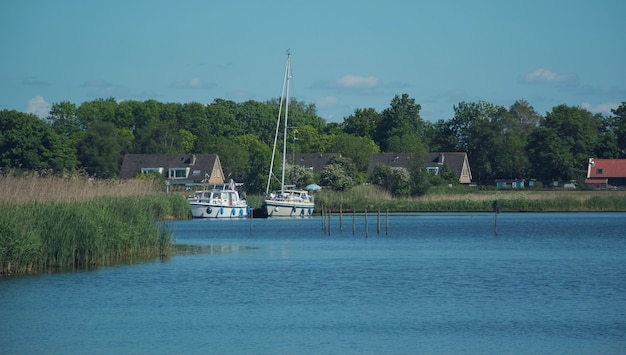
(607, 168)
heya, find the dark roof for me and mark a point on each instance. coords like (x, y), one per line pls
(133, 163)
(454, 160)
(394, 160)
(313, 161)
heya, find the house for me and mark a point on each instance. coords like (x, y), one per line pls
(310, 161)
(178, 169)
(456, 161)
(602, 173)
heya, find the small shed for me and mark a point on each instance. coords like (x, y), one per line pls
(510, 184)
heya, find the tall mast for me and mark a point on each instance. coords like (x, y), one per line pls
(280, 108)
(282, 180)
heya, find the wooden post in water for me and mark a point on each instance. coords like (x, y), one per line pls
(323, 220)
(329, 213)
(340, 217)
(353, 221)
(496, 210)
(251, 216)
(387, 223)
(378, 222)
(366, 229)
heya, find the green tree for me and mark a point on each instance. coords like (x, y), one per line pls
(362, 123)
(100, 150)
(444, 137)
(574, 135)
(257, 164)
(99, 110)
(335, 176)
(524, 118)
(340, 173)
(358, 149)
(63, 119)
(299, 175)
(28, 143)
(395, 180)
(401, 118)
(406, 143)
(617, 124)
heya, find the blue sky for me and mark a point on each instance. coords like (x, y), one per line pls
(346, 55)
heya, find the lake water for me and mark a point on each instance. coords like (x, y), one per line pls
(552, 283)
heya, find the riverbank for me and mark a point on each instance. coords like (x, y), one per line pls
(470, 200)
(76, 223)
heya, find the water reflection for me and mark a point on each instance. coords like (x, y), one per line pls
(188, 249)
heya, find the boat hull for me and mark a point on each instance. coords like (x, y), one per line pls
(288, 209)
(206, 210)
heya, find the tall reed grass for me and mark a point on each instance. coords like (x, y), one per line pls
(76, 187)
(372, 197)
(50, 223)
(37, 236)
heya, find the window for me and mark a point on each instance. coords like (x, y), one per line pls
(599, 171)
(216, 173)
(178, 173)
(151, 170)
(196, 172)
(433, 170)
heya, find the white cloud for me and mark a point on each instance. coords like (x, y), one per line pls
(545, 76)
(193, 83)
(358, 82)
(38, 106)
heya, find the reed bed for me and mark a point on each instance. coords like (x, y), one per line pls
(37, 236)
(34, 187)
(75, 223)
(372, 198)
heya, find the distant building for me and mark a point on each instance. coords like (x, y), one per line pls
(510, 184)
(178, 169)
(314, 162)
(603, 173)
(456, 162)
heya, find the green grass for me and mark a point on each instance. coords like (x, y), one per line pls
(38, 236)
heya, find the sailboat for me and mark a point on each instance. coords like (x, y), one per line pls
(289, 201)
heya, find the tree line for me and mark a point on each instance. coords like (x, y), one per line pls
(501, 143)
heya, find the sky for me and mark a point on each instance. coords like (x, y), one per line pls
(345, 55)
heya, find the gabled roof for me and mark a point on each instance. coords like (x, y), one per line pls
(606, 168)
(199, 164)
(313, 161)
(454, 160)
(394, 160)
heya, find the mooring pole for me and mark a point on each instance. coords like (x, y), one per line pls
(366, 229)
(496, 210)
(378, 222)
(251, 216)
(340, 217)
(353, 221)
(387, 223)
(323, 220)
(329, 213)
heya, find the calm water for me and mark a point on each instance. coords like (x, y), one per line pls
(438, 283)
